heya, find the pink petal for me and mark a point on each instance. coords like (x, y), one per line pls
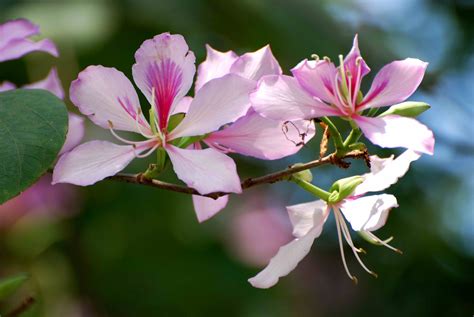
(385, 172)
(104, 94)
(220, 101)
(317, 78)
(50, 83)
(207, 207)
(183, 105)
(394, 83)
(217, 64)
(289, 255)
(282, 98)
(350, 64)
(91, 162)
(368, 213)
(19, 47)
(206, 170)
(164, 65)
(306, 216)
(15, 29)
(256, 64)
(6, 85)
(395, 131)
(75, 132)
(263, 138)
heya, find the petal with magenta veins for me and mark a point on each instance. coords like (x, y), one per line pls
(280, 97)
(395, 131)
(205, 170)
(206, 207)
(217, 64)
(218, 102)
(106, 95)
(368, 213)
(93, 161)
(256, 64)
(394, 83)
(263, 138)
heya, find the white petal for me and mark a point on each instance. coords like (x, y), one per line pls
(91, 162)
(256, 64)
(217, 64)
(385, 172)
(220, 101)
(206, 170)
(368, 213)
(207, 207)
(104, 94)
(306, 216)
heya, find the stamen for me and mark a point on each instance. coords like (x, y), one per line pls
(315, 57)
(338, 94)
(358, 60)
(347, 235)
(327, 59)
(147, 153)
(111, 128)
(357, 81)
(383, 242)
(139, 126)
(341, 248)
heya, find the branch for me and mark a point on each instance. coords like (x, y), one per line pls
(24, 306)
(247, 183)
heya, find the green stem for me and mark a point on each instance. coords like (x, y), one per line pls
(315, 190)
(353, 137)
(336, 137)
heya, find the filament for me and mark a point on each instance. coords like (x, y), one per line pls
(382, 242)
(352, 277)
(147, 153)
(111, 128)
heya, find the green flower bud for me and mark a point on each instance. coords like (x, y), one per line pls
(407, 109)
(343, 188)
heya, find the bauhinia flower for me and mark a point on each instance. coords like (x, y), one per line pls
(364, 213)
(252, 134)
(318, 88)
(15, 42)
(164, 72)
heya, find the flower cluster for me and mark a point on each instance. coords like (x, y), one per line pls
(245, 105)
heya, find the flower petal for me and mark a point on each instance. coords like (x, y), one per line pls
(217, 64)
(317, 78)
(280, 97)
(394, 83)
(104, 94)
(352, 65)
(306, 216)
(75, 132)
(91, 162)
(220, 101)
(14, 29)
(183, 105)
(50, 83)
(6, 85)
(206, 170)
(164, 65)
(395, 131)
(263, 138)
(368, 213)
(19, 47)
(207, 207)
(256, 64)
(385, 172)
(288, 256)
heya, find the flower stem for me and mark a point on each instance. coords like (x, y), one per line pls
(336, 136)
(313, 189)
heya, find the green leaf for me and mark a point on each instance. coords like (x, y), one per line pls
(9, 285)
(33, 127)
(407, 109)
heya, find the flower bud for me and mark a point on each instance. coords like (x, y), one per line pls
(407, 109)
(343, 188)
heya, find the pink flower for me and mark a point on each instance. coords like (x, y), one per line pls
(365, 214)
(252, 134)
(319, 88)
(14, 42)
(164, 72)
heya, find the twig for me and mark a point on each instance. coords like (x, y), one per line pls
(24, 306)
(247, 183)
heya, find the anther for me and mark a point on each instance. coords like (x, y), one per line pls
(111, 125)
(358, 61)
(374, 274)
(327, 59)
(315, 57)
(355, 280)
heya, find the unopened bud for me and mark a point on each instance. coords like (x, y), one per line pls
(343, 188)
(407, 109)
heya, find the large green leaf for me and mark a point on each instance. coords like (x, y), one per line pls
(33, 127)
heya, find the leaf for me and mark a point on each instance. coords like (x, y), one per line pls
(33, 127)
(10, 284)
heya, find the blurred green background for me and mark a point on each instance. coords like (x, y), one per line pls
(124, 250)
